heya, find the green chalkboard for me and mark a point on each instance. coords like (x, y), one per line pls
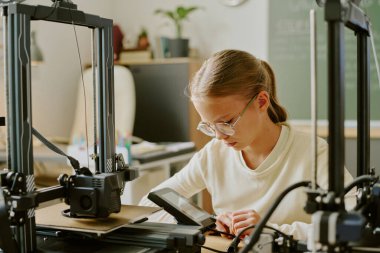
(289, 55)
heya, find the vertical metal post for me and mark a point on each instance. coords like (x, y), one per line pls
(94, 63)
(105, 98)
(20, 118)
(363, 106)
(314, 96)
(336, 93)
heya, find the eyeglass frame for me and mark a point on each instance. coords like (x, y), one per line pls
(231, 125)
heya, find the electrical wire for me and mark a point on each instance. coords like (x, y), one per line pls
(254, 237)
(237, 238)
(54, 6)
(74, 162)
(212, 249)
(235, 242)
(223, 233)
(359, 180)
(84, 88)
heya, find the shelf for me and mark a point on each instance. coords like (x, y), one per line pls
(159, 61)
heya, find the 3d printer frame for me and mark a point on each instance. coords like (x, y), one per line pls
(338, 16)
(334, 226)
(17, 22)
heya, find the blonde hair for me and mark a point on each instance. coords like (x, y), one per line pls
(235, 72)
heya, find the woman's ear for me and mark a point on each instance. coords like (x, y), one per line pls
(263, 99)
(262, 102)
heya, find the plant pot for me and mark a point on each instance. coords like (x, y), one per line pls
(179, 47)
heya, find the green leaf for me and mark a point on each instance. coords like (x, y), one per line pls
(177, 15)
(183, 12)
(168, 14)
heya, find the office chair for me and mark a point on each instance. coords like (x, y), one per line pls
(125, 103)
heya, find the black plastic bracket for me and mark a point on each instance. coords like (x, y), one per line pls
(7, 242)
(66, 4)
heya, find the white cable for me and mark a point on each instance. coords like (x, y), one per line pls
(83, 85)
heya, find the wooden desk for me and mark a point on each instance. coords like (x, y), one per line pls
(264, 245)
(43, 154)
(150, 175)
(49, 165)
(216, 242)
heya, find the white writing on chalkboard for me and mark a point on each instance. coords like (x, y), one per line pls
(289, 54)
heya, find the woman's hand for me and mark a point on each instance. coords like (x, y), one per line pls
(239, 220)
(223, 223)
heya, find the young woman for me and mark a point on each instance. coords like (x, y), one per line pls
(255, 154)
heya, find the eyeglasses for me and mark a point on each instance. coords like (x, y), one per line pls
(222, 127)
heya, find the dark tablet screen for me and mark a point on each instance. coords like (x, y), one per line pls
(181, 208)
(184, 205)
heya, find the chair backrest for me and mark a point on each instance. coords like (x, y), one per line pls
(125, 105)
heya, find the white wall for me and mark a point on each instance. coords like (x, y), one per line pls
(55, 82)
(210, 29)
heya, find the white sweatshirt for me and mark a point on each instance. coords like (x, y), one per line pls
(234, 186)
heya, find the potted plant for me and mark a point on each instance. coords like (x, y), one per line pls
(143, 41)
(178, 47)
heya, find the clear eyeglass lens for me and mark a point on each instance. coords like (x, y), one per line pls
(206, 129)
(225, 128)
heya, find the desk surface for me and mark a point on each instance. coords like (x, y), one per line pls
(42, 153)
(51, 217)
(216, 242)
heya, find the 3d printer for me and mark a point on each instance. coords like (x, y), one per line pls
(90, 195)
(18, 196)
(95, 195)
